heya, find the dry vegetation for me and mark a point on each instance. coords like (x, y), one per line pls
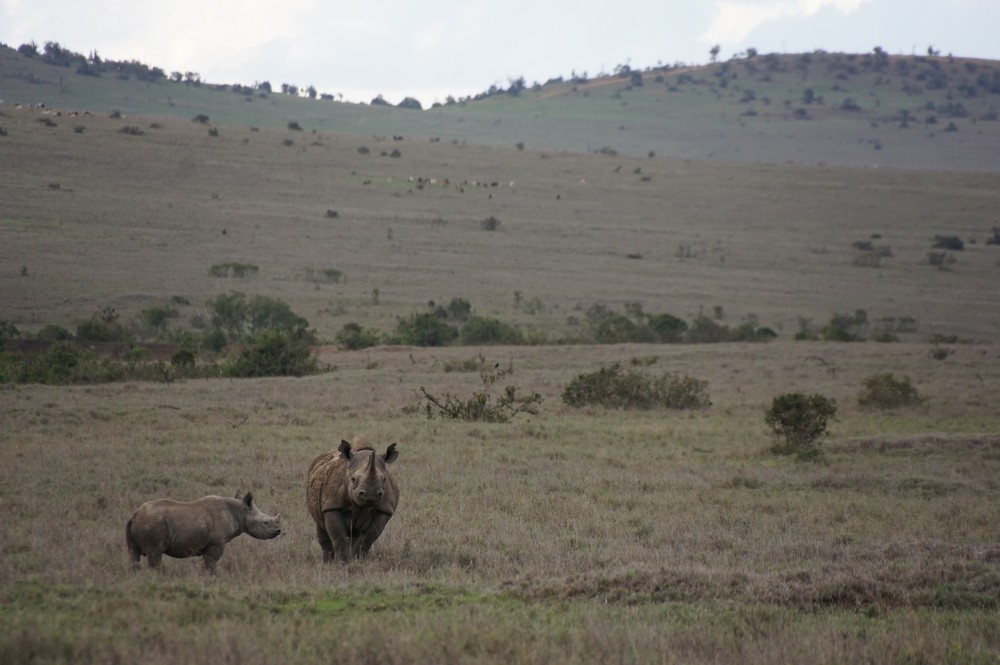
(577, 535)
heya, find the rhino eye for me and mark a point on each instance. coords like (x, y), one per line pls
(354, 482)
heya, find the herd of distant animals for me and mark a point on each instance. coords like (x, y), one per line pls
(350, 495)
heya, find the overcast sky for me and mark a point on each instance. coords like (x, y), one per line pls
(434, 48)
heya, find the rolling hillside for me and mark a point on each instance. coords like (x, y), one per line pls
(917, 112)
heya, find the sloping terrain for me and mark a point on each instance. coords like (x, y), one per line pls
(869, 110)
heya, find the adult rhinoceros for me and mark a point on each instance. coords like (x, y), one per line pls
(351, 496)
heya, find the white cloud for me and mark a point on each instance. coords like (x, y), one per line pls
(733, 20)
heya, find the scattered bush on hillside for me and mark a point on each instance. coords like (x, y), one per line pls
(482, 406)
(327, 275)
(953, 243)
(800, 420)
(242, 319)
(491, 223)
(233, 269)
(846, 327)
(201, 118)
(616, 388)
(353, 337)
(941, 260)
(294, 126)
(885, 391)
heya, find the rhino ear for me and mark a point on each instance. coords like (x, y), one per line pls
(248, 499)
(345, 449)
(391, 454)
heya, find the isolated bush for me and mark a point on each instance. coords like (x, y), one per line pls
(940, 260)
(885, 391)
(51, 332)
(800, 420)
(481, 406)
(201, 118)
(488, 330)
(616, 388)
(846, 327)
(491, 223)
(353, 337)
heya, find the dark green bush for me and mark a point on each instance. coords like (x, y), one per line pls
(353, 337)
(102, 327)
(800, 420)
(667, 327)
(488, 330)
(276, 353)
(618, 329)
(614, 387)
(885, 391)
(424, 329)
(953, 243)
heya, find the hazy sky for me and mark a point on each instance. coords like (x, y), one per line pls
(434, 48)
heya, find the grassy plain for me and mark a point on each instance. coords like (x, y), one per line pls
(571, 536)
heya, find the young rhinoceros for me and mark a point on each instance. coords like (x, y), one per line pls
(194, 528)
(351, 496)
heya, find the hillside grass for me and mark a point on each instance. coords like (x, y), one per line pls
(571, 536)
(742, 110)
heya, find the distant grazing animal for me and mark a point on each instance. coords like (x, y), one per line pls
(194, 528)
(351, 496)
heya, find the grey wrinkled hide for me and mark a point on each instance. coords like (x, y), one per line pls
(351, 495)
(194, 528)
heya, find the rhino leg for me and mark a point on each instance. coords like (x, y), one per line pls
(336, 532)
(211, 556)
(324, 542)
(154, 559)
(363, 545)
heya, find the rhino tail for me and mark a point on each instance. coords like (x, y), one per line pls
(133, 547)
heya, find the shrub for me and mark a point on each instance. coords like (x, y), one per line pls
(102, 327)
(491, 223)
(667, 327)
(481, 406)
(954, 243)
(885, 391)
(233, 269)
(488, 330)
(276, 353)
(618, 329)
(846, 327)
(613, 387)
(424, 329)
(800, 420)
(329, 275)
(353, 337)
(201, 118)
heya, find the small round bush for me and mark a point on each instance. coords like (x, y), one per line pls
(800, 420)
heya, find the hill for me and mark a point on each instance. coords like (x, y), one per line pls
(875, 109)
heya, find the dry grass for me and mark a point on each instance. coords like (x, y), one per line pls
(573, 536)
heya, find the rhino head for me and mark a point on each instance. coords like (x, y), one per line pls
(367, 474)
(257, 523)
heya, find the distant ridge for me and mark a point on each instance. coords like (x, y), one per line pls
(834, 109)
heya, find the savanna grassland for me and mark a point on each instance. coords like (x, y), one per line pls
(573, 535)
